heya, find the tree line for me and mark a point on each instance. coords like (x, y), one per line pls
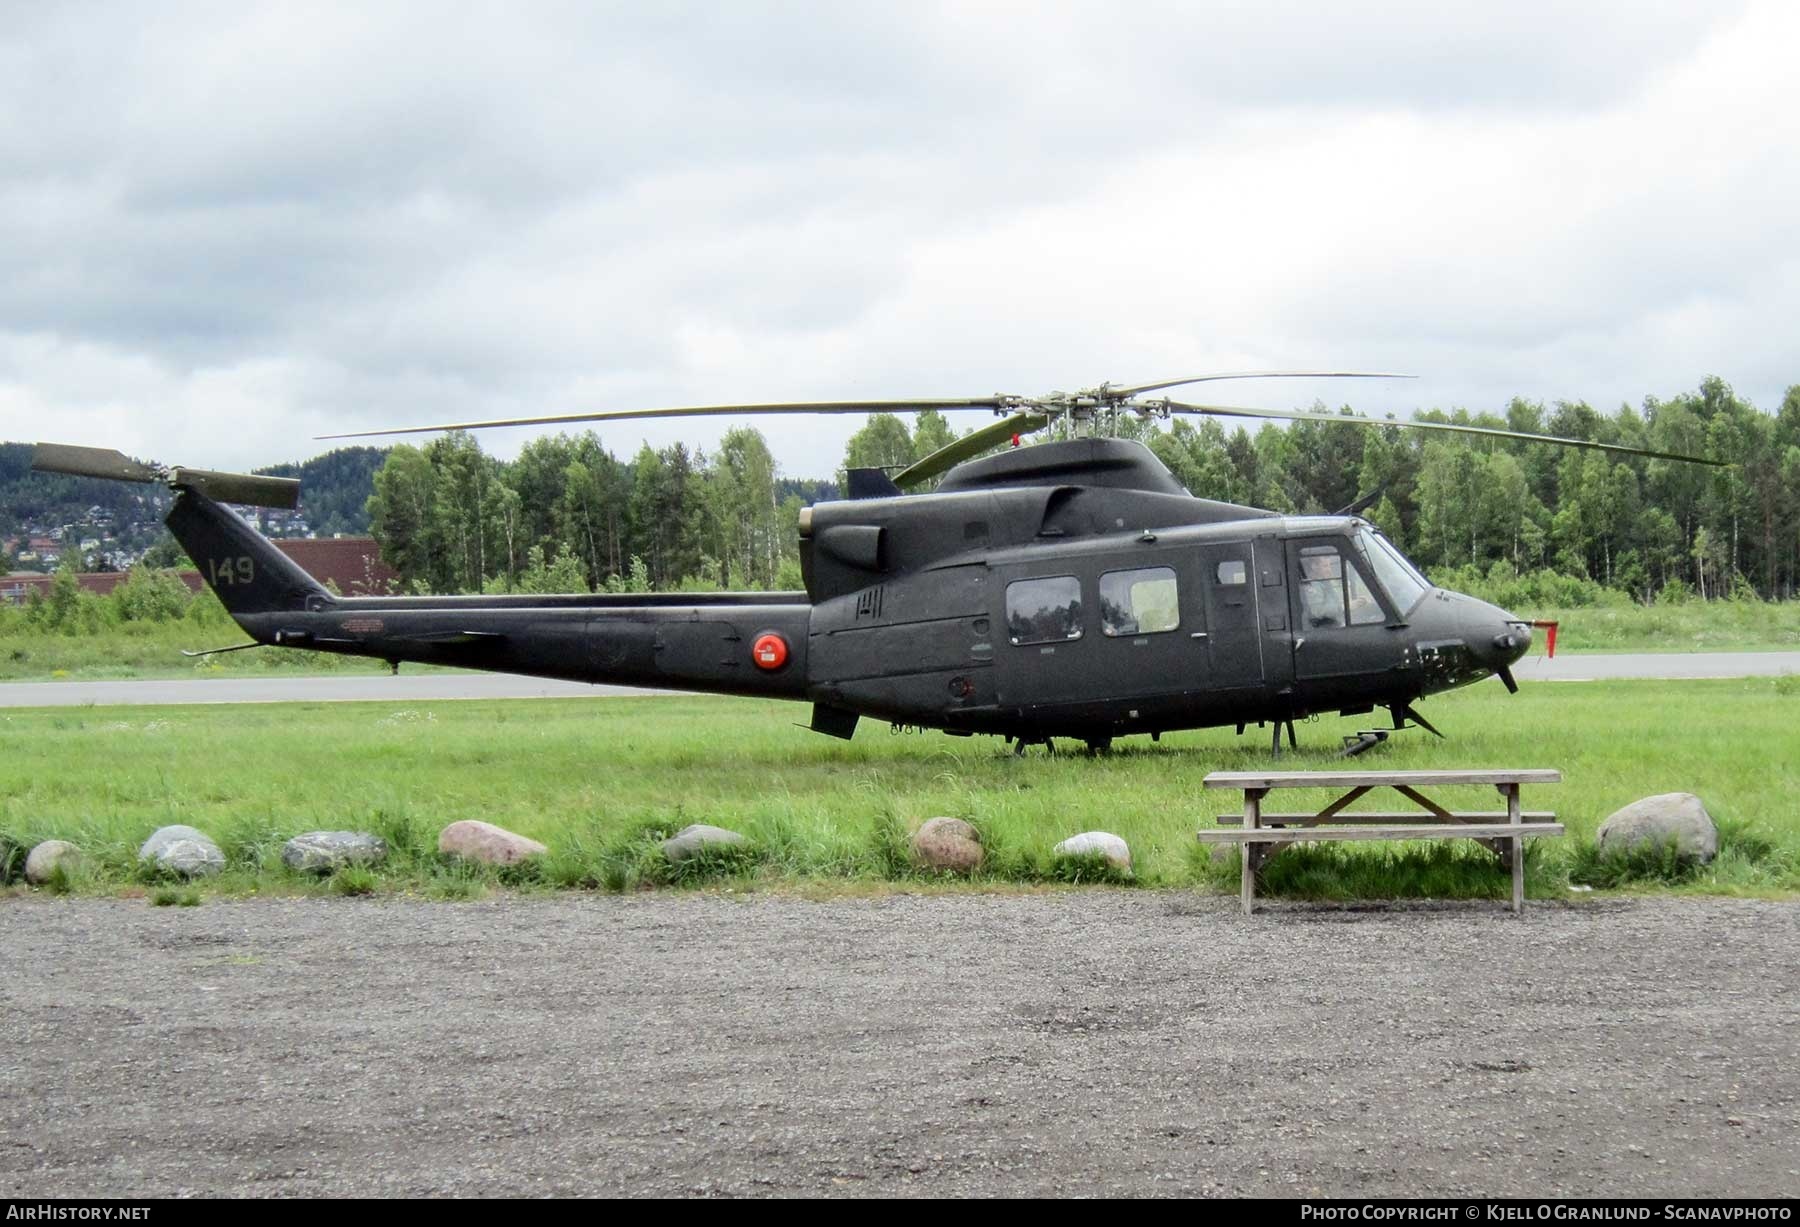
(1499, 508)
(145, 596)
(336, 487)
(1477, 513)
(568, 514)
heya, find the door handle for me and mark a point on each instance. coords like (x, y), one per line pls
(1299, 642)
(1198, 635)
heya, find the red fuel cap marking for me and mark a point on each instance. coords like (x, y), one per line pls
(769, 652)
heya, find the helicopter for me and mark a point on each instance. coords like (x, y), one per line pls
(1071, 589)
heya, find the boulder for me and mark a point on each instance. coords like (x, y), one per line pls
(698, 838)
(487, 843)
(41, 865)
(330, 851)
(1676, 816)
(948, 844)
(1105, 843)
(183, 850)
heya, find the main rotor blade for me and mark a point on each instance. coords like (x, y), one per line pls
(1302, 415)
(90, 462)
(972, 444)
(696, 411)
(1175, 383)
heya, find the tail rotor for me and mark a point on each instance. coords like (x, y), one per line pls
(248, 489)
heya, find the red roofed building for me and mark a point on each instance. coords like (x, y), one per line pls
(17, 588)
(351, 565)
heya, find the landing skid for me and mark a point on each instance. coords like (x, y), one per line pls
(1402, 712)
(1097, 747)
(1364, 740)
(1275, 735)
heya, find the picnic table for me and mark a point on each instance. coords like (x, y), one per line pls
(1262, 834)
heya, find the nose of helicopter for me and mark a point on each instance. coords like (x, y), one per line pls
(1465, 640)
(1495, 637)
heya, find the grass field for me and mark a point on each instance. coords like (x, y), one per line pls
(1697, 626)
(153, 649)
(600, 781)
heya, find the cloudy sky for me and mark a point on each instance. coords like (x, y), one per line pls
(225, 229)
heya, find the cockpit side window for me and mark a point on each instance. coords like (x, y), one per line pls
(1321, 586)
(1365, 610)
(1402, 580)
(1334, 592)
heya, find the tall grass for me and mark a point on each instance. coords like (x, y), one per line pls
(602, 782)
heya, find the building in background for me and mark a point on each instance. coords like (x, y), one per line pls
(349, 565)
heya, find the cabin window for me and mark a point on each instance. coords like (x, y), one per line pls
(1233, 572)
(1044, 610)
(1321, 587)
(1140, 602)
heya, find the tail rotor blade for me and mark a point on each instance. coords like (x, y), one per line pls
(244, 488)
(90, 462)
(104, 462)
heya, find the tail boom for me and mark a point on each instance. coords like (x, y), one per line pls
(698, 647)
(663, 641)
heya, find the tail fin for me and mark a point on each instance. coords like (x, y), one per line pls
(238, 563)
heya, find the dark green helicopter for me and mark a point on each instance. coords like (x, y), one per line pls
(1069, 589)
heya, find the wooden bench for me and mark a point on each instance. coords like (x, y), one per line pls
(1263, 835)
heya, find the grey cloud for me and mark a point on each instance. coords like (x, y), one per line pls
(384, 213)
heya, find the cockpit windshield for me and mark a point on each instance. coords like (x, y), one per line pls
(1401, 579)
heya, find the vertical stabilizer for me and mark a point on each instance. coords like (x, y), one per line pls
(238, 563)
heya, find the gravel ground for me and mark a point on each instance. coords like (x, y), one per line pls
(1065, 1043)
